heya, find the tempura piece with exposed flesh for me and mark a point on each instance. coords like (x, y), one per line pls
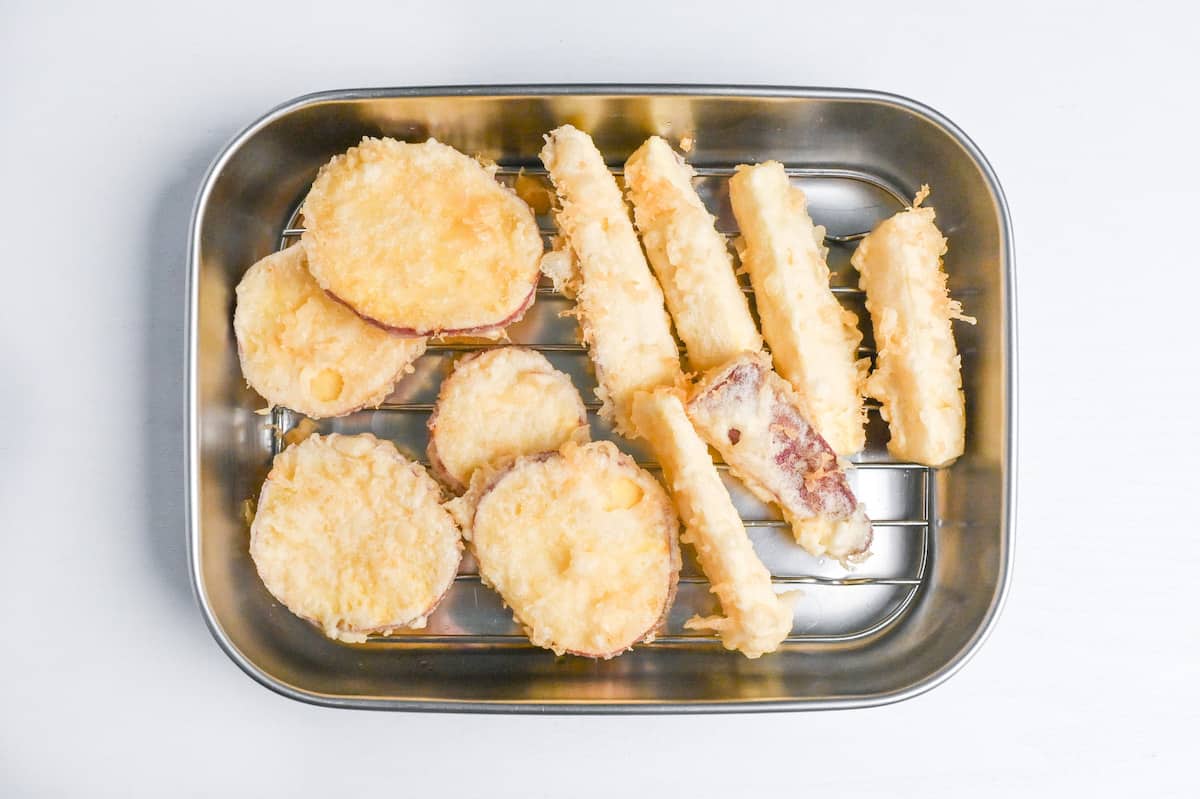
(753, 418)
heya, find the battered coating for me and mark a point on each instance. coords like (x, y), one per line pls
(421, 239)
(756, 619)
(497, 405)
(619, 303)
(918, 372)
(813, 339)
(581, 544)
(753, 418)
(351, 536)
(305, 351)
(689, 257)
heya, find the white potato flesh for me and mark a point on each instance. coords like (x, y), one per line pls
(351, 535)
(301, 349)
(813, 339)
(755, 620)
(420, 238)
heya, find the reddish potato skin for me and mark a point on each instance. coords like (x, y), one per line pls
(435, 462)
(408, 332)
(676, 559)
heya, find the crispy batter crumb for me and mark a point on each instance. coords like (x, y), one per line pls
(305, 428)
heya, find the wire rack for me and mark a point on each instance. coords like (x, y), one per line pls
(473, 615)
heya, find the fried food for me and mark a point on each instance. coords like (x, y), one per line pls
(918, 372)
(689, 257)
(619, 303)
(351, 536)
(813, 339)
(305, 351)
(756, 619)
(580, 543)
(497, 405)
(753, 418)
(421, 239)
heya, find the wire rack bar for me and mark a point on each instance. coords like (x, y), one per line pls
(776, 579)
(467, 346)
(427, 407)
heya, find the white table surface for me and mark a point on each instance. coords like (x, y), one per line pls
(109, 681)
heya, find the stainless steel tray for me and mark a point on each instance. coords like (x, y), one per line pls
(893, 627)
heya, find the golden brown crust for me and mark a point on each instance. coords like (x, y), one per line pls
(421, 239)
(351, 536)
(580, 543)
(302, 350)
(439, 470)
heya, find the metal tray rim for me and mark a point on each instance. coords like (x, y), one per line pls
(191, 407)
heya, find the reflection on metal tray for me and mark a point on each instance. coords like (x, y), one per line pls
(886, 629)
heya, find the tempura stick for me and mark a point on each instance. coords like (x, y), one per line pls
(619, 303)
(813, 339)
(689, 257)
(752, 417)
(755, 619)
(918, 372)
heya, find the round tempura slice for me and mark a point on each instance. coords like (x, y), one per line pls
(421, 239)
(581, 544)
(305, 351)
(351, 535)
(497, 405)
